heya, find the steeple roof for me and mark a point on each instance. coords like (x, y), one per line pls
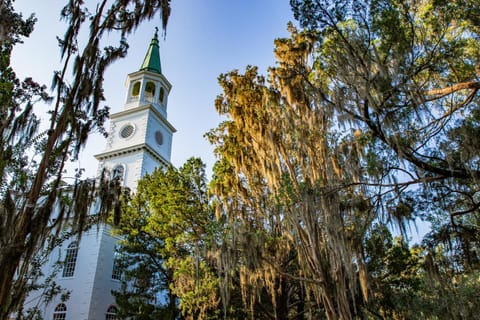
(152, 58)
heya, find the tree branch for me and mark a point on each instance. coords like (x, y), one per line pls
(452, 89)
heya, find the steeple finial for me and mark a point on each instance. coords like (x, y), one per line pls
(152, 58)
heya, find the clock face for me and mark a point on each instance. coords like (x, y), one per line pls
(127, 131)
(159, 137)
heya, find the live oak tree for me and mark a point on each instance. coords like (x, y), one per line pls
(168, 228)
(278, 152)
(369, 117)
(35, 200)
(406, 78)
(406, 75)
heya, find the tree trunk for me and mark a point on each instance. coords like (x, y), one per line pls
(9, 260)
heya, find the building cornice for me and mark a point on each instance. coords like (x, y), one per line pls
(142, 108)
(130, 150)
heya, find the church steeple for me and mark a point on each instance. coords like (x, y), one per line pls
(148, 85)
(140, 138)
(152, 58)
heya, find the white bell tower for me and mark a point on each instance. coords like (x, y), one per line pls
(140, 138)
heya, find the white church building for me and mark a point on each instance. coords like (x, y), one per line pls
(140, 140)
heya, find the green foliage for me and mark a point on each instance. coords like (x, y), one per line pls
(196, 285)
(413, 283)
(396, 275)
(168, 227)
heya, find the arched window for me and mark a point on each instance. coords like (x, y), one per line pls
(118, 172)
(136, 89)
(150, 91)
(70, 260)
(60, 312)
(111, 313)
(161, 96)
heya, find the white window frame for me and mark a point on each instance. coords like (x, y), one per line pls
(111, 313)
(70, 261)
(60, 312)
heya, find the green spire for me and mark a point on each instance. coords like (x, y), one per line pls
(152, 58)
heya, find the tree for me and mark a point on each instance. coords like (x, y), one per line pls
(256, 261)
(168, 228)
(396, 276)
(32, 162)
(408, 77)
(369, 116)
(404, 75)
(412, 283)
(278, 144)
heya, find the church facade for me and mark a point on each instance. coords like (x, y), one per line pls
(140, 140)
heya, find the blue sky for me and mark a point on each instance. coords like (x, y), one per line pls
(204, 38)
